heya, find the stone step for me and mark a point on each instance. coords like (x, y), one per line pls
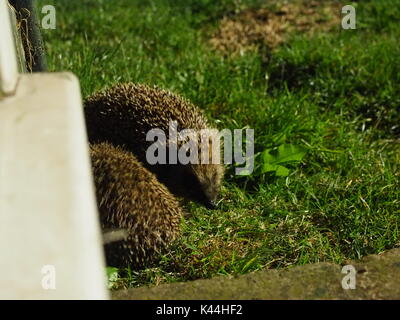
(375, 277)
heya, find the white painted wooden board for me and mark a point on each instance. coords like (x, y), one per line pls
(48, 214)
(8, 61)
(19, 48)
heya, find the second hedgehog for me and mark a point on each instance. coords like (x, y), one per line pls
(130, 198)
(125, 113)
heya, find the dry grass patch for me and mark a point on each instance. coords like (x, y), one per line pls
(269, 27)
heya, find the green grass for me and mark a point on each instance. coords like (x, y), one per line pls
(337, 95)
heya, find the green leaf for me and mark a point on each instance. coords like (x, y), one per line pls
(289, 152)
(282, 171)
(273, 160)
(279, 170)
(112, 276)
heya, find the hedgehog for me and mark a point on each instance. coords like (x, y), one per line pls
(123, 114)
(131, 199)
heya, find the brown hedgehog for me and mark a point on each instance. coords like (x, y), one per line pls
(130, 198)
(123, 115)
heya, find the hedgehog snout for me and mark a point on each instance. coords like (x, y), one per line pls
(210, 194)
(210, 204)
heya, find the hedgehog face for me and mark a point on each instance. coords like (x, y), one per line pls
(198, 182)
(206, 177)
(209, 178)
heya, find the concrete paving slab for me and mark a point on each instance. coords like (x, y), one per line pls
(376, 277)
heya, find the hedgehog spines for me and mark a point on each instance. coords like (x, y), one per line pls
(130, 197)
(124, 114)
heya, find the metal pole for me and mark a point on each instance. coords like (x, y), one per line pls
(30, 33)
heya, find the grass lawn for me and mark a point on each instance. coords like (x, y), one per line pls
(334, 94)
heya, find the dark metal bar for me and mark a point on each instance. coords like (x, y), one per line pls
(30, 34)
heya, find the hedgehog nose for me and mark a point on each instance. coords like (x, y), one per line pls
(210, 204)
